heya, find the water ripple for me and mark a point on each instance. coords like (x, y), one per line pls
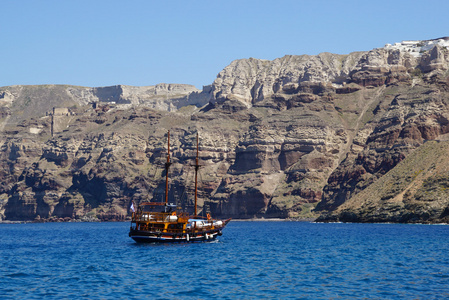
(252, 260)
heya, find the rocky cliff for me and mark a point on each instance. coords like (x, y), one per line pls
(25, 102)
(296, 137)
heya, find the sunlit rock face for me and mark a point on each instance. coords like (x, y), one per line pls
(296, 137)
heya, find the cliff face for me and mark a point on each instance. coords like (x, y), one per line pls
(26, 102)
(414, 191)
(294, 137)
(417, 113)
(252, 80)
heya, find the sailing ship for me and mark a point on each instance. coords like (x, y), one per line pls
(163, 222)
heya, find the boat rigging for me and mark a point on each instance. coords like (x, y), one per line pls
(163, 222)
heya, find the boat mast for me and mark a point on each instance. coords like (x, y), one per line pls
(167, 166)
(197, 166)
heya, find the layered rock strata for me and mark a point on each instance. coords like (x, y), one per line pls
(294, 137)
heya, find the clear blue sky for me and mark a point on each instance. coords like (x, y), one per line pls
(135, 42)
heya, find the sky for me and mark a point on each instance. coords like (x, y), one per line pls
(97, 43)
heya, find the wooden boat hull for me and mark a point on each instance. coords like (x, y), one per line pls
(157, 237)
(188, 236)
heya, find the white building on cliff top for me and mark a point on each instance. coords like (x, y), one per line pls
(416, 48)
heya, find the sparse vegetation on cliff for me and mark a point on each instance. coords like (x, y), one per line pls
(296, 137)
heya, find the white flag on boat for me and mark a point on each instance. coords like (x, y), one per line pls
(132, 206)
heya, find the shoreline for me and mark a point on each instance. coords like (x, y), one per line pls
(273, 220)
(102, 221)
(311, 220)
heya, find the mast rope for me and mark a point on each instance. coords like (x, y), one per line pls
(185, 187)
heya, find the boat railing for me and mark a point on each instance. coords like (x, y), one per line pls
(158, 216)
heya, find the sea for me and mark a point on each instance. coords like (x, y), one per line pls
(251, 260)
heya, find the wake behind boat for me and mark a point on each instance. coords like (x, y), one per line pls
(159, 222)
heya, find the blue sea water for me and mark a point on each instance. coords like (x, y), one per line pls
(252, 260)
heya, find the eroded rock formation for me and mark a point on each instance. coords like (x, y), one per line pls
(295, 137)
